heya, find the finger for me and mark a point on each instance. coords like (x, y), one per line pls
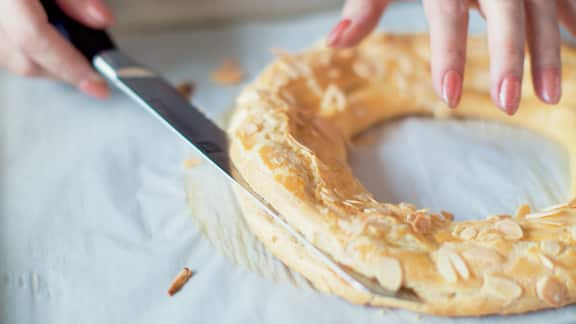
(92, 13)
(27, 26)
(19, 64)
(448, 24)
(506, 39)
(359, 17)
(543, 36)
(15, 61)
(567, 14)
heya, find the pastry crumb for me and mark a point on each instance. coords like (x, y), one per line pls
(229, 72)
(180, 281)
(192, 162)
(186, 89)
(447, 215)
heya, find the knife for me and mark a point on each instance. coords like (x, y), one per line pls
(161, 99)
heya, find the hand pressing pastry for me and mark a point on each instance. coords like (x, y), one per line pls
(511, 25)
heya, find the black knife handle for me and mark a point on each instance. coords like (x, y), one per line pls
(90, 42)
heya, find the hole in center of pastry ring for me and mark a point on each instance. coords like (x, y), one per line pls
(290, 136)
(471, 168)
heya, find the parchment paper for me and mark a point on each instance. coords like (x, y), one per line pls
(94, 224)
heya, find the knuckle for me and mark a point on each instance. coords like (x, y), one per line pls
(455, 54)
(511, 50)
(453, 8)
(26, 68)
(30, 38)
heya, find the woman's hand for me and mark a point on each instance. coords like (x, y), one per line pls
(30, 46)
(510, 24)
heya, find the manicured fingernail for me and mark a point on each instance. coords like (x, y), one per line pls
(99, 12)
(336, 34)
(549, 87)
(95, 87)
(451, 88)
(509, 95)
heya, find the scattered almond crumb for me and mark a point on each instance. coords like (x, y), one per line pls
(228, 72)
(186, 89)
(193, 162)
(447, 215)
(180, 281)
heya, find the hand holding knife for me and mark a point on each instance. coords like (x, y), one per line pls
(160, 98)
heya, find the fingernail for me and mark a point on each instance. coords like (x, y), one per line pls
(336, 34)
(549, 88)
(99, 12)
(451, 88)
(95, 87)
(509, 95)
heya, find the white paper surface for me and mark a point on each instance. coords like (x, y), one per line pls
(94, 224)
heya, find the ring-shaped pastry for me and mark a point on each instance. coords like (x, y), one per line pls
(289, 136)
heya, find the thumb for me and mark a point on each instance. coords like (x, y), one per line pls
(92, 13)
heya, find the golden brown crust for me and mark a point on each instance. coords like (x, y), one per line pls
(289, 136)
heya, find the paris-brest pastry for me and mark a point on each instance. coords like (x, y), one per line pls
(289, 135)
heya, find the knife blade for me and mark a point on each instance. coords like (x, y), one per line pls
(160, 98)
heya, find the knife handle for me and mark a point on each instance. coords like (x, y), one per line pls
(90, 42)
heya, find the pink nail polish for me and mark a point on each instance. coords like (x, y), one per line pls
(509, 95)
(548, 85)
(451, 88)
(336, 34)
(99, 12)
(94, 88)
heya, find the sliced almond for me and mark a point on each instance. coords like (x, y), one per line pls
(550, 247)
(460, 265)
(421, 223)
(333, 98)
(552, 291)
(391, 276)
(573, 232)
(180, 281)
(352, 226)
(501, 287)
(510, 229)
(314, 86)
(547, 261)
(228, 72)
(375, 210)
(542, 214)
(363, 69)
(570, 204)
(468, 233)
(445, 267)
(447, 215)
(522, 211)
(483, 256)
(551, 222)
